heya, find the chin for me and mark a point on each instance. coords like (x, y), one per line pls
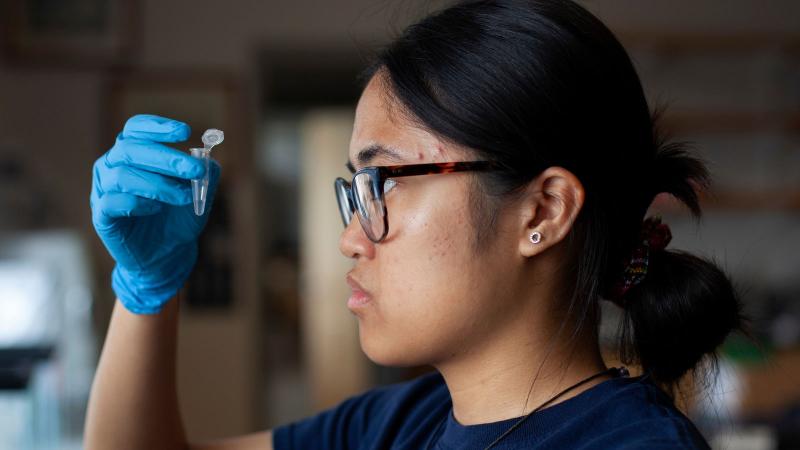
(385, 351)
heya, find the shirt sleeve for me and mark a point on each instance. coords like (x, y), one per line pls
(651, 434)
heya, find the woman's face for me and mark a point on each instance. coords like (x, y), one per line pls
(431, 297)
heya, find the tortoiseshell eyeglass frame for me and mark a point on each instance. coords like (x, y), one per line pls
(378, 175)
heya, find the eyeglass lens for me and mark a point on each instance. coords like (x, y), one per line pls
(368, 205)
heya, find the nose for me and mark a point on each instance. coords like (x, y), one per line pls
(354, 241)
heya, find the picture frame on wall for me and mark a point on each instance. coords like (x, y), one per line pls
(76, 33)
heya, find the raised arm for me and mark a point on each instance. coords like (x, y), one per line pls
(134, 402)
(142, 211)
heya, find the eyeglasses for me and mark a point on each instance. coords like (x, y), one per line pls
(364, 195)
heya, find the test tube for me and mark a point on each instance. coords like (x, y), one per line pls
(200, 185)
(210, 138)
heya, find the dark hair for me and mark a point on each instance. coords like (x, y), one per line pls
(534, 84)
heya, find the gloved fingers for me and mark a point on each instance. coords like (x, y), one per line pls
(130, 180)
(156, 128)
(113, 205)
(153, 157)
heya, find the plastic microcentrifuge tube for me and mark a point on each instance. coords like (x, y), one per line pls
(211, 137)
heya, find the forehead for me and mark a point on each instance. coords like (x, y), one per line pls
(379, 124)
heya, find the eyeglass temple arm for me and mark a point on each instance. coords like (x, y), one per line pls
(433, 168)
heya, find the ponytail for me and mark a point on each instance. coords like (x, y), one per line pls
(686, 305)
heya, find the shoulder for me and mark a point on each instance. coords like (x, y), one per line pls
(638, 414)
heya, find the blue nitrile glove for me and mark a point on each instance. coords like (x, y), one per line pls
(141, 203)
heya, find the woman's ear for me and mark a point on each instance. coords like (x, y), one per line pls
(549, 207)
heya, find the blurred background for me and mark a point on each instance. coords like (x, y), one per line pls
(265, 336)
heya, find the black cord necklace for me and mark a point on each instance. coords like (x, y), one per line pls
(613, 371)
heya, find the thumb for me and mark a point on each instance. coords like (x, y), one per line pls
(114, 205)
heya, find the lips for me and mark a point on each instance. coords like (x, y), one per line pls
(359, 298)
(355, 286)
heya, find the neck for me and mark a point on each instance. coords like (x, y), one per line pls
(491, 382)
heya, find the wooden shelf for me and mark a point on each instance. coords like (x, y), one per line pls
(737, 201)
(692, 42)
(731, 121)
(677, 44)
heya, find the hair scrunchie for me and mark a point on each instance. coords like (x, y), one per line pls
(654, 236)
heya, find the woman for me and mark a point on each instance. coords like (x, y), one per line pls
(504, 159)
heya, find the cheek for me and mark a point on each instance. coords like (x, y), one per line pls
(428, 298)
(426, 254)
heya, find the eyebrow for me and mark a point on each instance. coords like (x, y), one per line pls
(367, 154)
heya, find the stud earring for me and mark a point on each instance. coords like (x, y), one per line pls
(536, 237)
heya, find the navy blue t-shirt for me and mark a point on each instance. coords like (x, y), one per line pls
(619, 413)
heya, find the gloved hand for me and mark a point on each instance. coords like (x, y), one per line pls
(141, 202)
